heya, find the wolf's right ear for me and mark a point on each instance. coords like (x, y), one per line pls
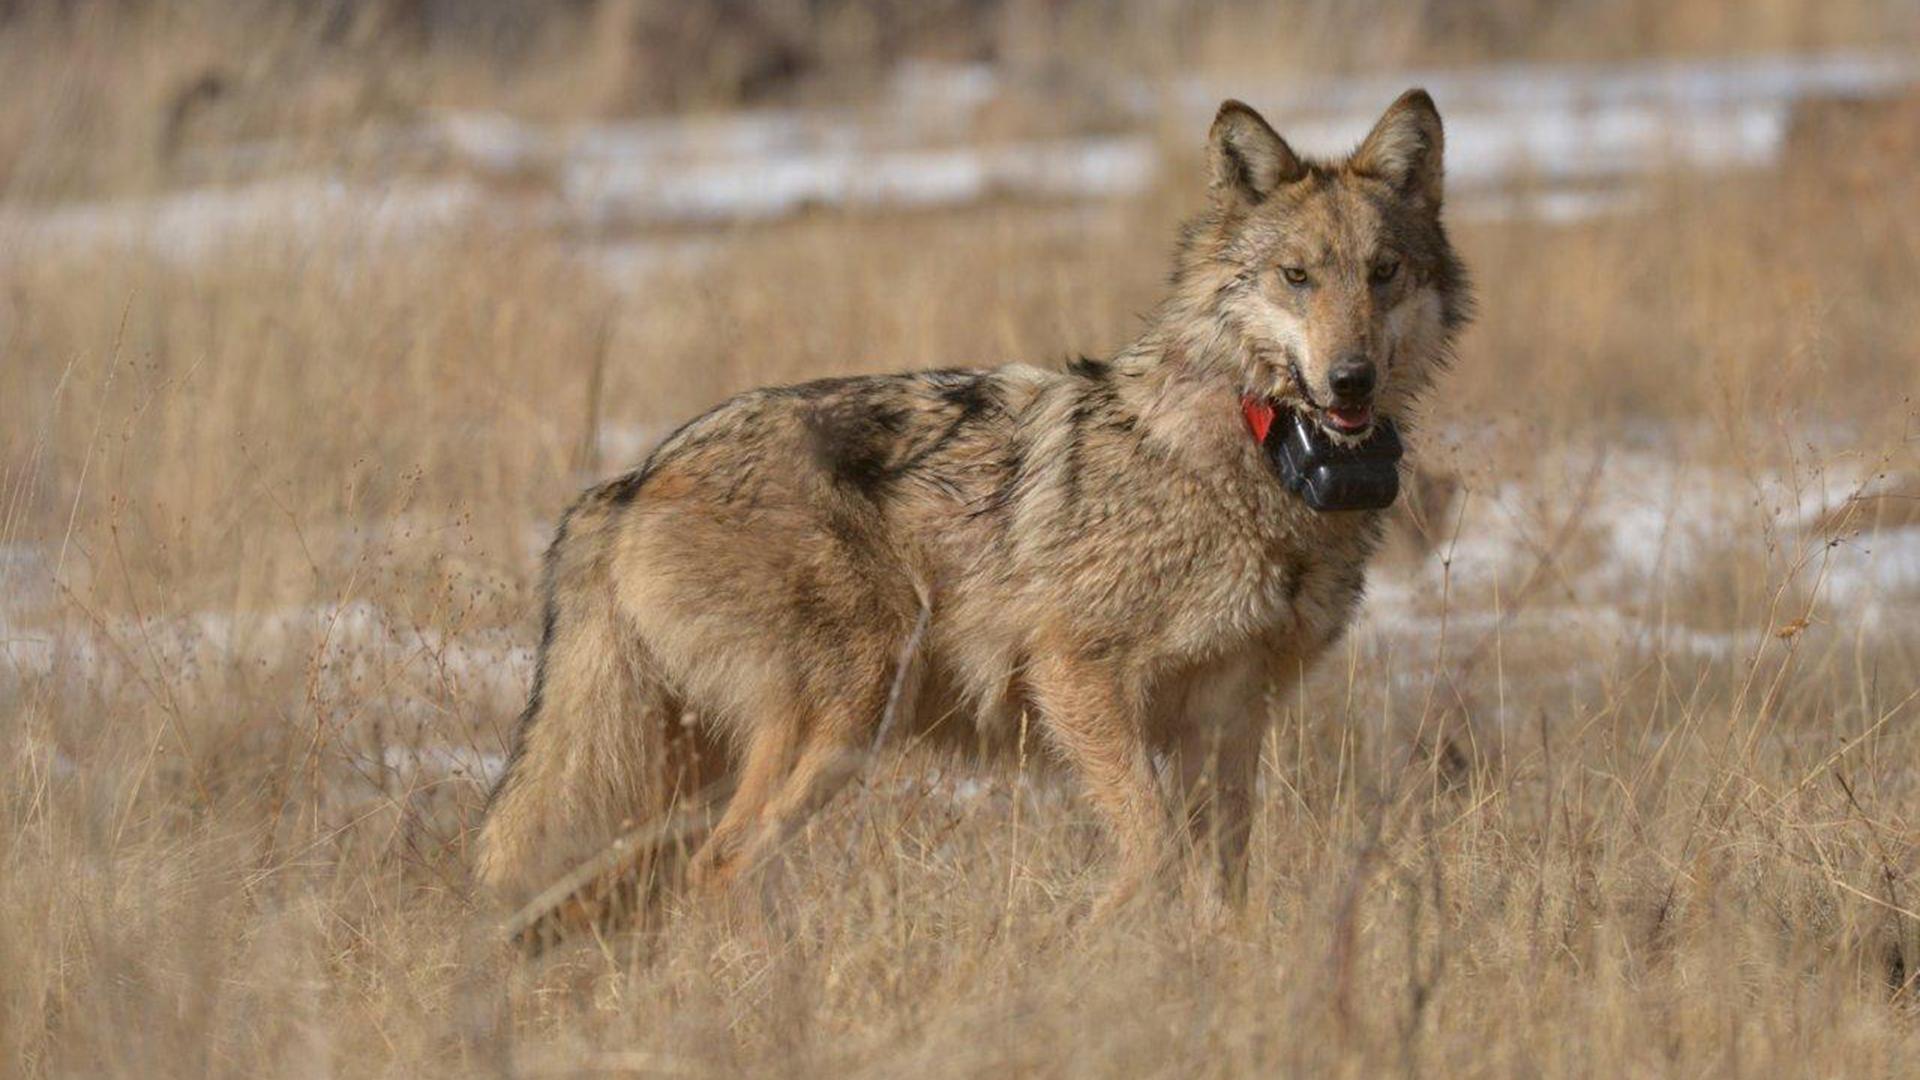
(1249, 159)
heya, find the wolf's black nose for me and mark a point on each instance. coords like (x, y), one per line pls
(1352, 379)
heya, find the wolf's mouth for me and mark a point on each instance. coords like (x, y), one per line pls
(1349, 421)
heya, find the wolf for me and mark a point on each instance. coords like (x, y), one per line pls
(1101, 552)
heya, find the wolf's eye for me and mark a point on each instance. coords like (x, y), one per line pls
(1294, 276)
(1383, 271)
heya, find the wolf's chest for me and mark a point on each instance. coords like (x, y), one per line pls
(1282, 573)
(1320, 588)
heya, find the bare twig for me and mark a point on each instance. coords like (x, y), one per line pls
(908, 652)
(592, 881)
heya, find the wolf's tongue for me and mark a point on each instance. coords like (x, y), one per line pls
(1351, 419)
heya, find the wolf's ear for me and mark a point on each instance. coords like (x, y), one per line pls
(1248, 158)
(1404, 148)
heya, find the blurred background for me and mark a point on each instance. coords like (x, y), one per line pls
(530, 235)
(313, 316)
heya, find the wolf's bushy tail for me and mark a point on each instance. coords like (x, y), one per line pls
(595, 746)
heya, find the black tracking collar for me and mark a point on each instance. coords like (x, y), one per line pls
(1332, 476)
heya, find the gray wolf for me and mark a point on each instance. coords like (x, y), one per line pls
(1103, 550)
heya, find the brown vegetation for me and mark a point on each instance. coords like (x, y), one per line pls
(268, 524)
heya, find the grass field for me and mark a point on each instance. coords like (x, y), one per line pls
(1618, 774)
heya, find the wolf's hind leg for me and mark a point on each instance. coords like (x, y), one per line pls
(797, 761)
(781, 787)
(830, 759)
(768, 758)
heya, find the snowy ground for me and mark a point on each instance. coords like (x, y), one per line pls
(1609, 595)
(1552, 142)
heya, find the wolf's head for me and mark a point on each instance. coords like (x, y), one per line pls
(1328, 285)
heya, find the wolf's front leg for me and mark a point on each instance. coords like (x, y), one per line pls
(1216, 751)
(1217, 768)
(1094, 715)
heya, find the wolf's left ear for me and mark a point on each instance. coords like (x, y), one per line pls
(1404, 148)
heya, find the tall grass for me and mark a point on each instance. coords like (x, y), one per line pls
(269, 523)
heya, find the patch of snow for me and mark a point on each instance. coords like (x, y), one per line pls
(612, 190)
(1650, 519)
(349, 648)
(1567, 134)
(187, 225)
(1553, 206)
(1575, 124)
(927, 86)
(1866, 571)
(629, 263)
(444, 761)
(624, 446)
(490, 141)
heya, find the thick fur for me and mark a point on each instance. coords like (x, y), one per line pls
(1103, 548)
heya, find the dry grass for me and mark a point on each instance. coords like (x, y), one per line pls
(270, 522)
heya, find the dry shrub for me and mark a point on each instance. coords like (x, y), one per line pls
(234, 423)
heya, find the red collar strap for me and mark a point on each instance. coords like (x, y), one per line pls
(1259, 414)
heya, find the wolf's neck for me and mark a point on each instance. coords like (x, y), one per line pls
(1183, 386)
